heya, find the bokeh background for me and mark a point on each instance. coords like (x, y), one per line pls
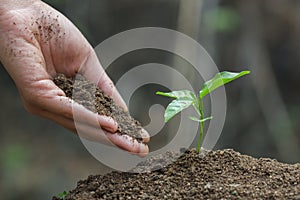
(39, 159)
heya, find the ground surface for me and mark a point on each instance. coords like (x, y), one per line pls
(222, 174)
(91, 97)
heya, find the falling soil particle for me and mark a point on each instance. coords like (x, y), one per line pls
(219, 174)
(90, 96)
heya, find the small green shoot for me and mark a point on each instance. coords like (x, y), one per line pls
(63, 195)
(185, 98)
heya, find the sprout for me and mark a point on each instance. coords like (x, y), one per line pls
(185, 98)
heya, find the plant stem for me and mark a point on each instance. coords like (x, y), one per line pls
(201, 124)
(197, 110)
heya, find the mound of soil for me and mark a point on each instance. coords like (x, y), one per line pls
(220, 174)
(90, 96)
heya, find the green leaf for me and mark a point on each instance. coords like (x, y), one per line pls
(63, 194)
(178, 94)
(200, 120)
(220, 79)
(177, 106)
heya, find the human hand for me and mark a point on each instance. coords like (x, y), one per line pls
(36, 43)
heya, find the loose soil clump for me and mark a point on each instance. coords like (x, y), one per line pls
(223, 174)
(93, 98)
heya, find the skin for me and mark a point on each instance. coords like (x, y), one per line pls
(36, 43)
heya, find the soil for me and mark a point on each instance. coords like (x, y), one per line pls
(93, 98)
(223, 174)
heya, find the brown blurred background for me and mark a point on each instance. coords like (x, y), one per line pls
(39, 159)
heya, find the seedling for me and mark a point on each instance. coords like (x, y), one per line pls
(63, 195)
(186, 98)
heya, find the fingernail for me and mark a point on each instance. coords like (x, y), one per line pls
(145, 136)
(144, 150)
(109, 129)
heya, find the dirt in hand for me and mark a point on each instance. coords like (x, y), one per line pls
(222, 174)
(90, 96)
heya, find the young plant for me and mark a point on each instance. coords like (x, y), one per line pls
(63, 195)
(186, 98)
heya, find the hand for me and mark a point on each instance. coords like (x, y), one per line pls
(36, 43)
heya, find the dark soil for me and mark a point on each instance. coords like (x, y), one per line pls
(222, 174)
(93, 98)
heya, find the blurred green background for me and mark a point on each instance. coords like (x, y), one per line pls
(39, 159)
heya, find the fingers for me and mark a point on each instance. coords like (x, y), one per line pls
(93, 132)
(113, 139)
(145, 136)
(87, 124)
(83, 130)
(50, 98)
(96, 134)
(81, 114)
(129, 144)
(78, 113)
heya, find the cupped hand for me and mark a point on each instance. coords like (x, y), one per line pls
(36, 43)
